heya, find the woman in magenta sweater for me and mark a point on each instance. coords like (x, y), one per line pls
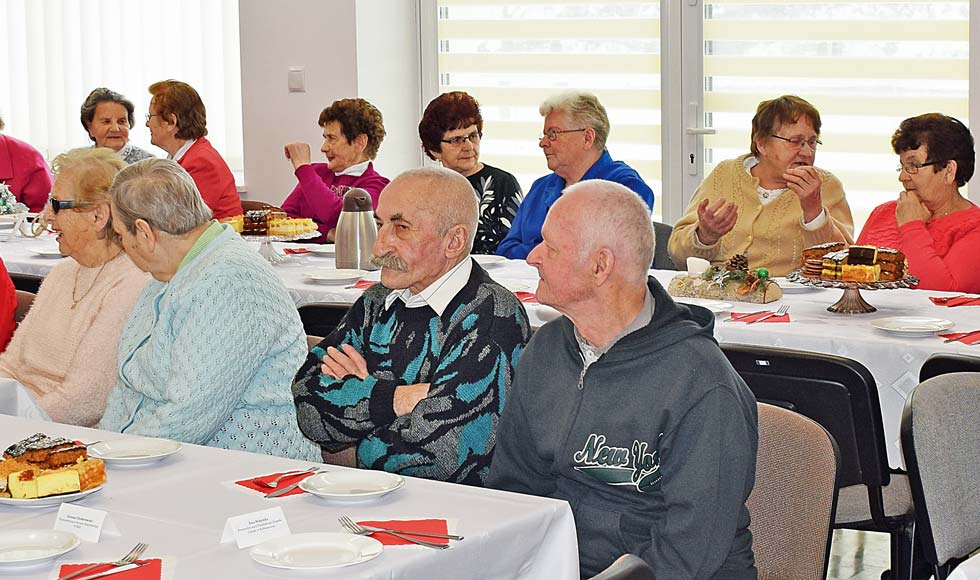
(353, 130)
(931, 222)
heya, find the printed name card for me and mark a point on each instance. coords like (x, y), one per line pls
(87, 523)
(254, 528)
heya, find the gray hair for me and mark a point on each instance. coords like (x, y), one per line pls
(584, 109)
(618, 219)
(104, 95)
(447, 195)
(161, 193)
(90, 171)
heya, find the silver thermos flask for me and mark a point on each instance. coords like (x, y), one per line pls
(356, 231)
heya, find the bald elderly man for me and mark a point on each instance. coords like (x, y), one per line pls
(625, 406)
(417, 372)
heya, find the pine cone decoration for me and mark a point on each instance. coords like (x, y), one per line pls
(737, 263)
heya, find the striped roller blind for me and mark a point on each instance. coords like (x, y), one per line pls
(864, 65)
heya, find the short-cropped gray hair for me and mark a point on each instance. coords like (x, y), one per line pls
(161, 193)
(584, 109)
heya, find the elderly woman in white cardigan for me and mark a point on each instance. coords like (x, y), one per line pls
(210, 349)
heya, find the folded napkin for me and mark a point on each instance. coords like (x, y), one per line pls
(526, 297)
(430, 526)
(288, 480)
(971, 337)
(783, 318)
(365, 284)
(295, 250)
(956, 301)
(152, 571)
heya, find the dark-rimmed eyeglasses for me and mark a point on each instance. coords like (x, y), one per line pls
(552, 134)
(798, 142)
(60, 204)
(913, 167)
(458, 140)
(151, 115)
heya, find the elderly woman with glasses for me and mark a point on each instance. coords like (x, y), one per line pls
(64, 352)
(353, 130)
(209, 352)
(107, 117)
(936, 228)
(451, 129)
(771, 203)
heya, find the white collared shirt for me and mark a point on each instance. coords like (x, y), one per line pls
(183, 150)
(356, 170)
(440, 293)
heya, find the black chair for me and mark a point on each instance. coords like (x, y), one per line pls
(940, 441)
(942, 363)
(841, 395)
(321, 318)
(661, 259)
(26, 282)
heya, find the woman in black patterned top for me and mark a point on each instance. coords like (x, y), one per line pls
(450, 130)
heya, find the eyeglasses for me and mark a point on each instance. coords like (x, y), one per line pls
(552, 134)
(913, 167)
(458, 140)
(151, 115)
(798, 142)
(60, 204)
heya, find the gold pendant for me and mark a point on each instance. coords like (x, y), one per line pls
(73, 305)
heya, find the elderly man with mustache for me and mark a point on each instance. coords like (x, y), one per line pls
(418, 371)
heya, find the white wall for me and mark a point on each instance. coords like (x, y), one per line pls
(350, 48)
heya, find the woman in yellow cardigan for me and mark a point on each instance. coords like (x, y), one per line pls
(769, 204)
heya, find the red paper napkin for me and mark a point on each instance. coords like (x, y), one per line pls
(430, 526)
(956, 301)
(527, 297)
(783, 318)
(151, 571)
(295, 250)
(288, 480)
(971, 337)
(365, 284)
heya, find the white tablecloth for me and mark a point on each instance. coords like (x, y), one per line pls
(894, 361)
(179, 507)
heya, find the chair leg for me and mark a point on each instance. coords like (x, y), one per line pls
(902, 543)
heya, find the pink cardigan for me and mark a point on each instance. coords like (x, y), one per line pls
(943, 254)
(67, 358)
(313, 198)
(24, 170)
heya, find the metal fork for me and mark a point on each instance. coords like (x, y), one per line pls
(129, 558)
(782, 310)
(275, 482)
(354, 528)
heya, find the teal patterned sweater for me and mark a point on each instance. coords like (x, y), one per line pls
(468, 355)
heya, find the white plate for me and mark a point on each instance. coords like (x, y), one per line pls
(322, 249)
(793, 287)
(488, 259)
(352, 484)
(717, 307)
(515, 286)
(134, 452)
(30, 547)
(912, 325)
(316, 551)
(50, 500)
(48, 252)
(335, 275)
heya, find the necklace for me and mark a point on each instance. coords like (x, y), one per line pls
(74, 288)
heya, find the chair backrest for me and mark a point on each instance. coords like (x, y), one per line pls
(26, 282)
(661, 259)
(838, 393)
(321, 318)
(24, 301)
(626, 567)
(793, 501)
(940, 441)
(250, 204)
(941, 363)
(312, 340)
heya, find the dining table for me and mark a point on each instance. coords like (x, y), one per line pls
(892, 356)
(180, 503)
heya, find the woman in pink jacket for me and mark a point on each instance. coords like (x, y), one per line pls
(24, 171)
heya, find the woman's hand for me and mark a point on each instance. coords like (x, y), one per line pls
(805, 182)
(298, 153)
(715, 221)
(910, 208)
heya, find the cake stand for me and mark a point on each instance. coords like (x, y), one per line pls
(268, 251)
(851, 302)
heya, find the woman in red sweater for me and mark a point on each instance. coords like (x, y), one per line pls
(931, 222)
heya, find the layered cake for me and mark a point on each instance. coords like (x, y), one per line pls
(255, 222)
(734, 281)
(853, 264)
(40, 466)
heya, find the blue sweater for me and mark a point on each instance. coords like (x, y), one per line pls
(525, 233)
(467, 355)
(207, 358)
